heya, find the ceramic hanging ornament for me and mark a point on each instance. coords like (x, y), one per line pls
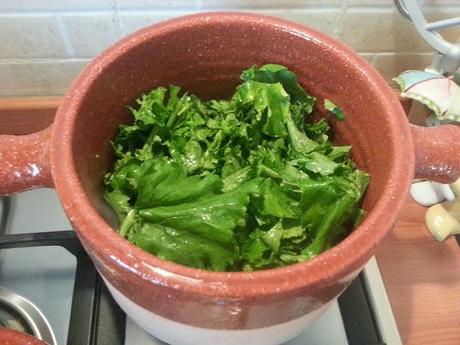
(439, 93)
(435, 87)
(442, 96)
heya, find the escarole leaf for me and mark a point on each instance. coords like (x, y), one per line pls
(272, 73)
(237, 184)
(299, 140)
(318, 163)
(185, 247)
(270, 103)
(119, 202)
(276, 202)
(212, 218)
(168, 184)
(334, 110)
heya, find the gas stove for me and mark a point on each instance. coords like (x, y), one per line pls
(49, 288)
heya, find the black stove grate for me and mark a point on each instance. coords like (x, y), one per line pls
(97, 320)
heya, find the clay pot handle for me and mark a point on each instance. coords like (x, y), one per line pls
(24, 162)
(437, 153)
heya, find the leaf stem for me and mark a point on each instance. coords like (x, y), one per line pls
(127, 223)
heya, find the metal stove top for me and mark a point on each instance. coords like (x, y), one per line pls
(52, 272)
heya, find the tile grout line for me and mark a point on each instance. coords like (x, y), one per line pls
(116, 19)
(39, 61)
(64, 36)
(340, 20)
(77, 59)
(32, 92)
(199, 6)
(39, 13)
(374, 59)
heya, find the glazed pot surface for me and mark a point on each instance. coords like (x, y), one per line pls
(205, 55)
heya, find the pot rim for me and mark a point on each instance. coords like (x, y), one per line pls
(344, 259)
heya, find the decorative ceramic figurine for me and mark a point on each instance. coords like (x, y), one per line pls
(435, 87)
(442, 96)
(444, 222)
(438, 92)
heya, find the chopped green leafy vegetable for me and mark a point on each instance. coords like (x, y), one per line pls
(334, 110)
(231, 185)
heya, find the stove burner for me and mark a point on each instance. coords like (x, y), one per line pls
(11, 319)
(20, 314)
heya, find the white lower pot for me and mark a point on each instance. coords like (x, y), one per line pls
(176, 333)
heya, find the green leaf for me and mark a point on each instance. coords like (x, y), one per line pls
(334, 110)
(318, 163)
(293, 232)
(193, 156)
(270, 102)
(185, 248)
(128, 223)
(124, 178)
(213, 218)
(339, 153)
(236, 179)
(253, 250)
(329, 229)
(299, 140)
(167, 184)
(275, 201)
(272, 73)
(119, 202)
(273, 237)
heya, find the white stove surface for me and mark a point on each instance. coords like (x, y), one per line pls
(33, 273)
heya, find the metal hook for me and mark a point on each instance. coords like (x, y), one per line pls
(447, 59)
(402, 9)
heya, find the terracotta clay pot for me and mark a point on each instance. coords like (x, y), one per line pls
(205, 54)
(12, 337)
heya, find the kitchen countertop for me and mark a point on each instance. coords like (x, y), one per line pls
(422, 277)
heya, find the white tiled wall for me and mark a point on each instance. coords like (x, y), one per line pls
(45, 43)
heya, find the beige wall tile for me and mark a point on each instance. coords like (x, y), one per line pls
(367, 56)
(149, 4)
(380, 30)
(133, 21)
(440, 2)
(38, 78)
(203, 4)
(21, 5)
(37, 35)
(89, 34)
(30, 36)
(391, 65)
(324, 20)
(370, 3)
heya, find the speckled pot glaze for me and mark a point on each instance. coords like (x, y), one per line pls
(12, 337)
(205, 53)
